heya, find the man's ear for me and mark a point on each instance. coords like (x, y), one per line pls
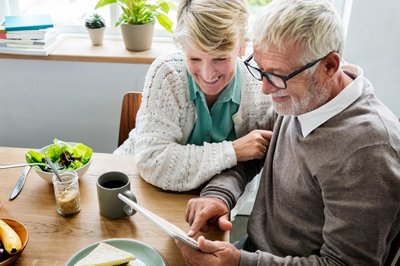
(331, 63)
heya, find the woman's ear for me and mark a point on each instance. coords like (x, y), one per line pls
(242, 50)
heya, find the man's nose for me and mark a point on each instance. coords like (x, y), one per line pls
(267, 87)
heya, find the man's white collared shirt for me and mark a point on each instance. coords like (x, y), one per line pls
(313, 119)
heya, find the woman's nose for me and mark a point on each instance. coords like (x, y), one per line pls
(208, 71)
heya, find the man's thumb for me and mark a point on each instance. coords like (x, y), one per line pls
(224, 223)
(206, 246)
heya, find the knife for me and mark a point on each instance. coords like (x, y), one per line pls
(20, 183)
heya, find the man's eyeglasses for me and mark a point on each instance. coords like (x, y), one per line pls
(277, 81)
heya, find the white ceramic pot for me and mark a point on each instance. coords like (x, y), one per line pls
(96, 36)
(137, 37)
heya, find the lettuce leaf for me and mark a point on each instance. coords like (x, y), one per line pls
(34, 157)
(81, 152)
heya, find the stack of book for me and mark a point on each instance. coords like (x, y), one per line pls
(29, 34)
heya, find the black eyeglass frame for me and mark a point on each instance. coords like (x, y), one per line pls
(283, 78)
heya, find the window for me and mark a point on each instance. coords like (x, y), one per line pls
(255, 7)
(69, 15)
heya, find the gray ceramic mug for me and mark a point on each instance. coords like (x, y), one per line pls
(109, 185)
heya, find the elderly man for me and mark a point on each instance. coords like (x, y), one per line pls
(329, 191)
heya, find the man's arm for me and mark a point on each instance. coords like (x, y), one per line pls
(219, 197)
(230, 184)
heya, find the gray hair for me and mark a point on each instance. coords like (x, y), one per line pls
(217, 26)
(312, 25)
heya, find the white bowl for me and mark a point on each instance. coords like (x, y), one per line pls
(48, 176)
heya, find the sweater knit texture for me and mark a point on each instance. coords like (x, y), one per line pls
(166, 119)
(331, 198)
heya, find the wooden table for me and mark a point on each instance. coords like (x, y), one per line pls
(53, 239)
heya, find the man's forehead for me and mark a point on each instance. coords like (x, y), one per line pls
(280, 50)
(273, 53)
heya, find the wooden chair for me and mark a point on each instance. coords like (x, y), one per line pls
(130, 106)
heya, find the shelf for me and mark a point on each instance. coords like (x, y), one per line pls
(112, 51)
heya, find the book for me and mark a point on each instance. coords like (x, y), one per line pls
(25, 51)
(29, 34)
(28, 22)
(27, 46)
(49, 39)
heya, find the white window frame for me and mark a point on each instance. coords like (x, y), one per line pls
(343, 7)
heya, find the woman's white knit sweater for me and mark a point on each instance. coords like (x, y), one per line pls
(166, 119)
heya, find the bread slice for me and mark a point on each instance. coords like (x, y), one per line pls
(106, 255)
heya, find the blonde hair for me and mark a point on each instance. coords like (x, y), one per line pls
(311, 25)
(217, 26)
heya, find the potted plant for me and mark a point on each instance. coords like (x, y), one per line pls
(137, 20)
(95, 26)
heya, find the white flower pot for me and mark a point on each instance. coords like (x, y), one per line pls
(96, 36)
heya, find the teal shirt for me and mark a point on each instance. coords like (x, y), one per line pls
(215, 125)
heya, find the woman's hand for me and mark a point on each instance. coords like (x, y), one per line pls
(252, 146)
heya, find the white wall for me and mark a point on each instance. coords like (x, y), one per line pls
(81, 102)
(43, 100)
(373, 42)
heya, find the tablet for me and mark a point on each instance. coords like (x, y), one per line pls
(168, 227)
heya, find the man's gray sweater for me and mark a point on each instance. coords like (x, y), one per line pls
(331, 198)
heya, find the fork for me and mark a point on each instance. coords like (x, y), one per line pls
(57, 166)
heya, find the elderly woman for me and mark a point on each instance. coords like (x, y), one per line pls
(200, 105)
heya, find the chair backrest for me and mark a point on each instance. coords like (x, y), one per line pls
(394, 252)
(130, 106)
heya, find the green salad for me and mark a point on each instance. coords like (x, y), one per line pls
(70, 157)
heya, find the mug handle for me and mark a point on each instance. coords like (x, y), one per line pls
(128, 209)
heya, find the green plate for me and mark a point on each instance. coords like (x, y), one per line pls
(145, 255)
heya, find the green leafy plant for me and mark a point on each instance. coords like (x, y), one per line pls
(136, 12)
(95, 21)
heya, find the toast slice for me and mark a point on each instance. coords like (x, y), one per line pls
(106, 255)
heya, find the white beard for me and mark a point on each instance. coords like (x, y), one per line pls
(313, 97)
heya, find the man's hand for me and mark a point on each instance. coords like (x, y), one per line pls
(203, 214)
(213, 253)
(252, 146)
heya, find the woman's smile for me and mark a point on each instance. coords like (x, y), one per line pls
(211, 81)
